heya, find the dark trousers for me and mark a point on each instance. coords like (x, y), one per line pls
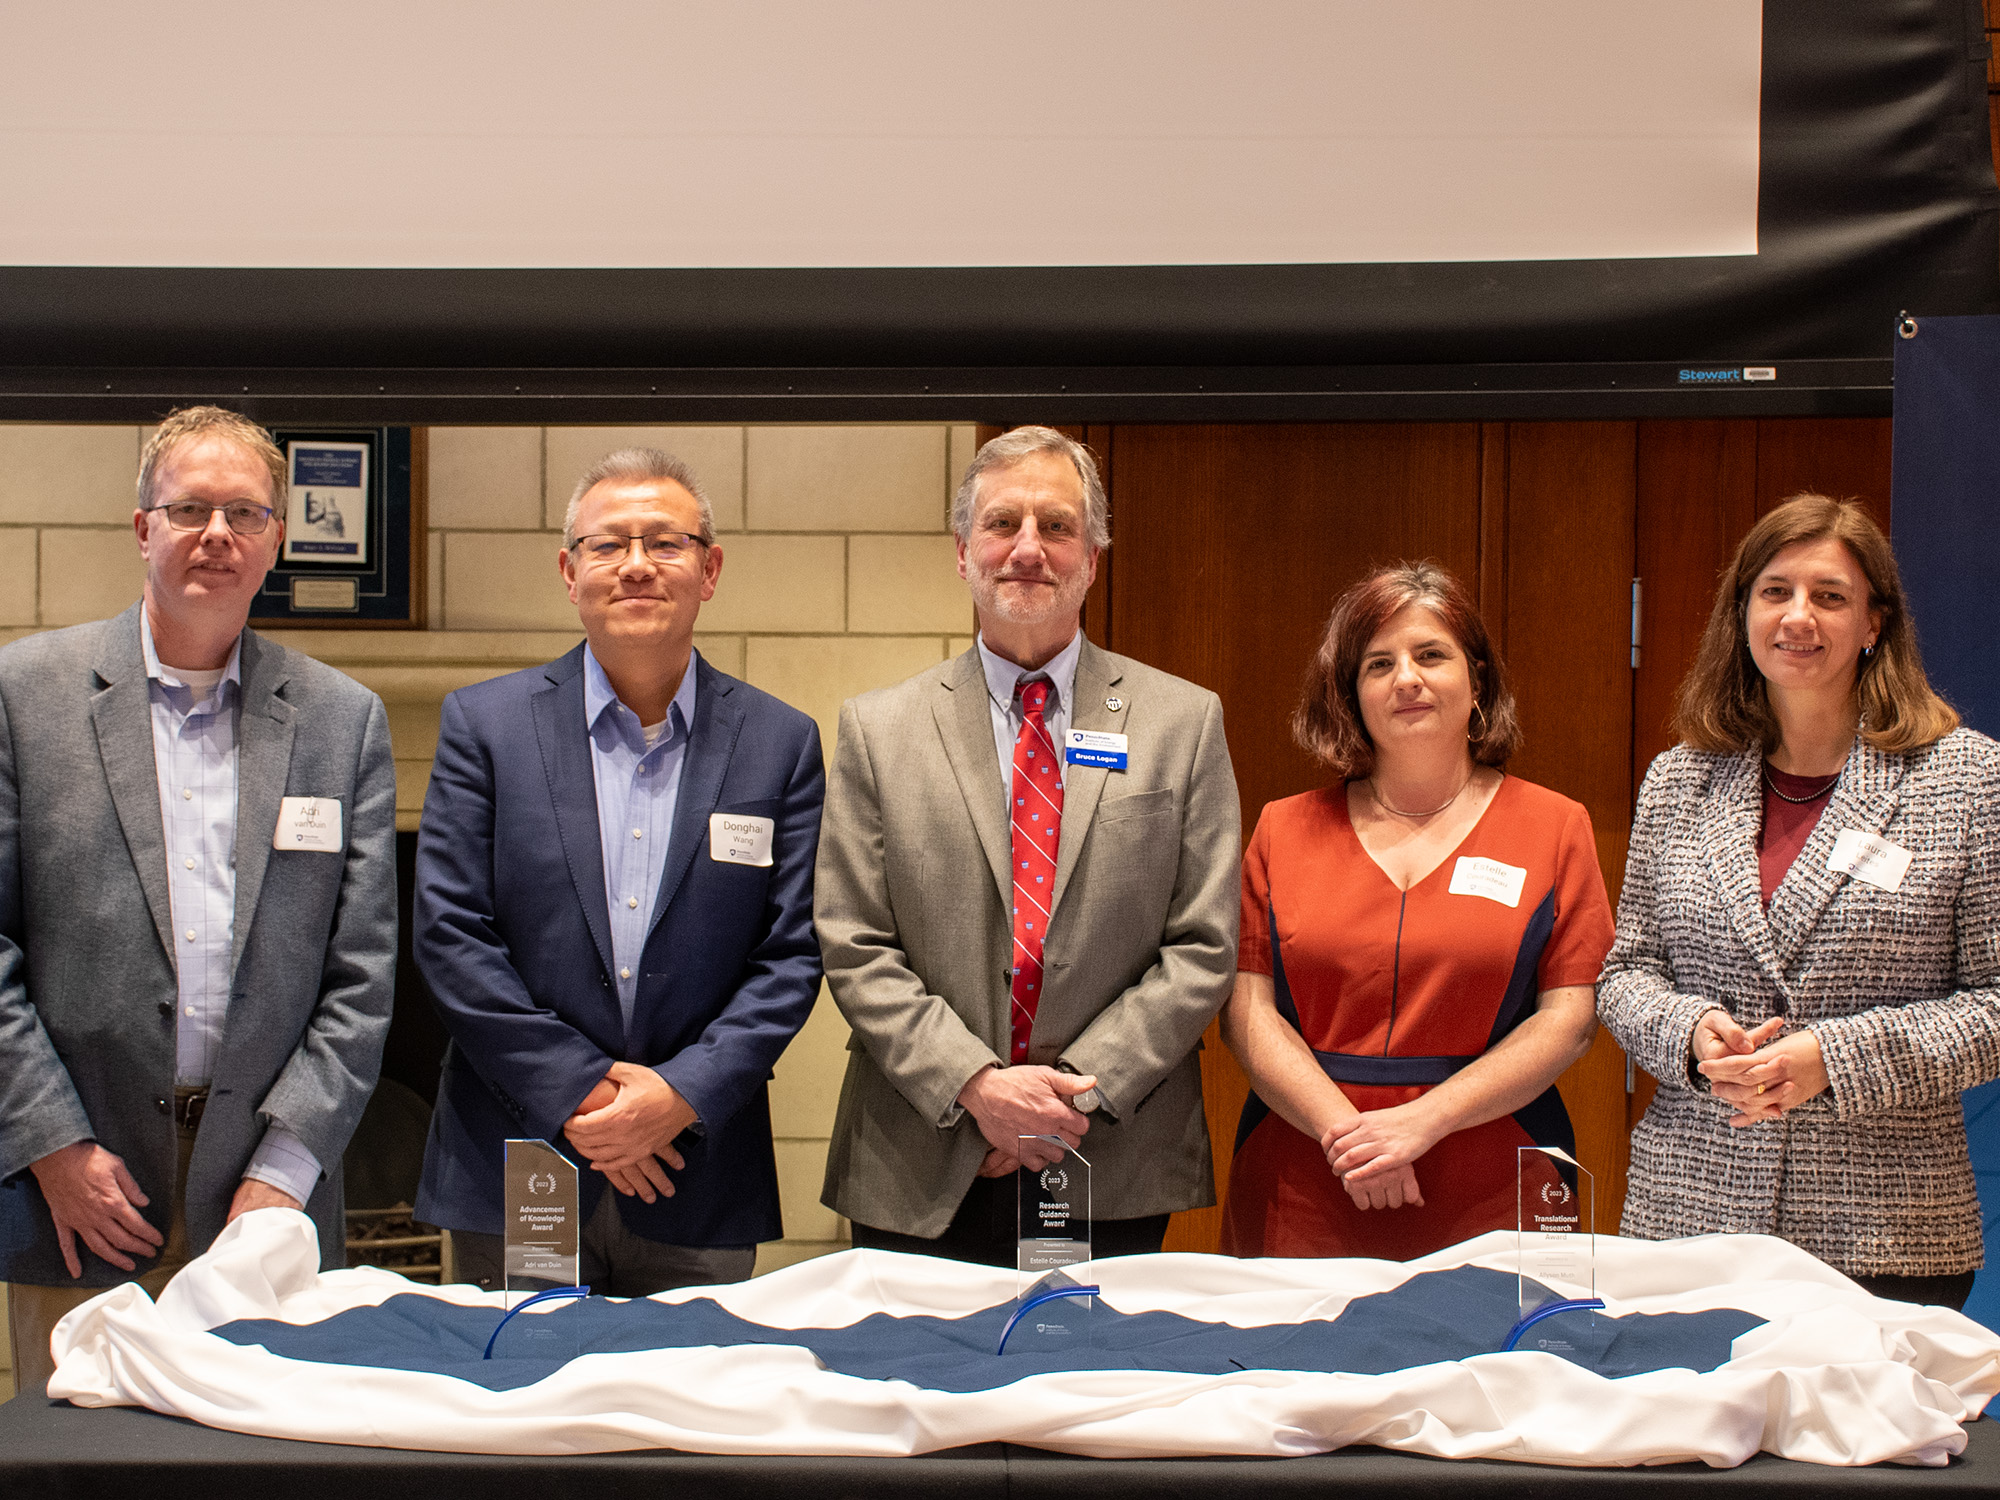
(984, 1230)
(1936, 1291)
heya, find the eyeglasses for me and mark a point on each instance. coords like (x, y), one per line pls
(610, 547)
(244, 518)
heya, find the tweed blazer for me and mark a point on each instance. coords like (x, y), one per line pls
(1901, 989)
(913, 902)
(87, 968)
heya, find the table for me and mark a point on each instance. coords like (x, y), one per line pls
(53, 1451)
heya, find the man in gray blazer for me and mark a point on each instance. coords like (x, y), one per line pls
(1027, 936)
(197, 905)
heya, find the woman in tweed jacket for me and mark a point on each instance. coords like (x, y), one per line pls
(1811, 1017)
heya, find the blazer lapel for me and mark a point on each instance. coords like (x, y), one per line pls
(1869, 791)
(1728, 836)
(121, 716)
(565, 747)
(264, 732)
(965, 724)
(1083, 786)
(704, 766)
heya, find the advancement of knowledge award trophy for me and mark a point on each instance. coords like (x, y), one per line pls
(1556, 1240)
(1053, 1301)
(543, 1225)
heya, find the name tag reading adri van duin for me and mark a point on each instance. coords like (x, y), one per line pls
(739, 839)
(308, 823)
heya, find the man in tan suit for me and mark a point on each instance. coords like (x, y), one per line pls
(1025, 942)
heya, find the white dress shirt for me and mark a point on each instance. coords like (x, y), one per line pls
(194, 759)
(638, 779)
(1001, 677)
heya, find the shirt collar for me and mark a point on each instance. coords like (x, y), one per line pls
(1002, 675)
(599, 697)
(159, 672)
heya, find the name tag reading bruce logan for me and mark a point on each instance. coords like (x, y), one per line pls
(1095, 747)
(308, 823)
(738, 839)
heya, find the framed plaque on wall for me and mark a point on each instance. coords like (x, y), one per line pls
(354, 513)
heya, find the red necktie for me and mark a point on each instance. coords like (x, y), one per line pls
(1036, 809)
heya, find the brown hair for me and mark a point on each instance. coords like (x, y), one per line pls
(191, 424)
(1722, 706)
(1328, 724)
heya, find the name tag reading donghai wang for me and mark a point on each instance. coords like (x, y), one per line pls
(1474, 876)
(1095, 747)
(1869, 858)
(308, 823)
(739, 839)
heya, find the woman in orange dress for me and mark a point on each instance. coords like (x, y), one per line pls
(1420, 939)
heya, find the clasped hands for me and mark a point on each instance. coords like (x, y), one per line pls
(1761, 1082)
(626, 1127)
(1373, 1154)
(1030, 1100)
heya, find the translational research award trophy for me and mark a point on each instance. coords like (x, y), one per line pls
(1556, 1244)
(1051, 1309)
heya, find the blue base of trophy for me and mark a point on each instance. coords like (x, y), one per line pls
(1051, 1315)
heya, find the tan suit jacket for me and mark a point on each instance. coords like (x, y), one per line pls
(913, 900)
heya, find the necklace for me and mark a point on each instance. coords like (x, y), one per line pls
(1376, 793)
(1832, 781)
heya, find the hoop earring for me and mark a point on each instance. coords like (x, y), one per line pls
(1472, 735)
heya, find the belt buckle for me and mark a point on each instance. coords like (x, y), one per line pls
(188, 1108)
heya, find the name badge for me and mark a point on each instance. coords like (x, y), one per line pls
(1489, 878)
(308, 823)
(1869, 858)
(739, 839)
(1095, 747)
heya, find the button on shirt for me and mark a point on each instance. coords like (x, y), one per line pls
(638, 788)
(195, 718)
(1001, 677)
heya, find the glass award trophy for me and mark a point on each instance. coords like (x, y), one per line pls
(1053, 1298)
(1556, 1243)
(542, 1227)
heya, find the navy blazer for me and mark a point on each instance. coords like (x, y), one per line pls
(513, 936)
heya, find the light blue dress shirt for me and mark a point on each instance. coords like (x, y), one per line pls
(1001, 677)
(638, 788)
(194, 761)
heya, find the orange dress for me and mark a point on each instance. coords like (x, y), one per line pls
(1394, 991)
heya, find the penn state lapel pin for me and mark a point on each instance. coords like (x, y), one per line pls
(1114, 704)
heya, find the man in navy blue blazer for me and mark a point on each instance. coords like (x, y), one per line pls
(614, 910)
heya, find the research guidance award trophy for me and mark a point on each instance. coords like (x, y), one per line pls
(1053, 1300)
(540, 1261)
(1556, 1239)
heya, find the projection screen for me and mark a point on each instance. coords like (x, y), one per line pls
(789, 186)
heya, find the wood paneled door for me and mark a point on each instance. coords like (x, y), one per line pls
(1230, 543)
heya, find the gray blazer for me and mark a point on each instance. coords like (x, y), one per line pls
(1902, 990)
(87, 982)
(912, 904)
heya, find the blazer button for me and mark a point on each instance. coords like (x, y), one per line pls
(166, 1007)
(163, 1107)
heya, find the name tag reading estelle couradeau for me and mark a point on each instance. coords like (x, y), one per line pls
(311, 824)
(1476, 876)
(739, 839)
(1095, 747)
(1870, 859)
